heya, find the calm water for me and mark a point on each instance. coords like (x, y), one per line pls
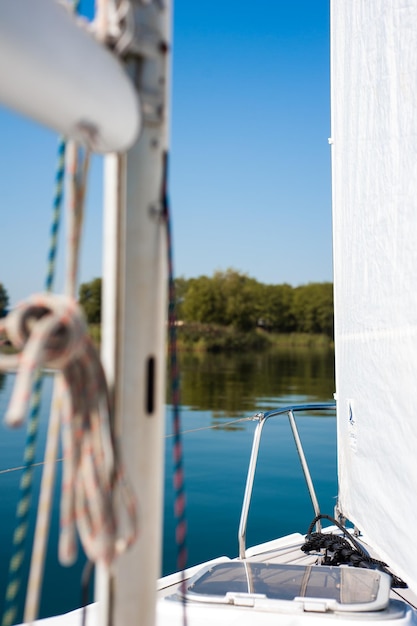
(216, 390)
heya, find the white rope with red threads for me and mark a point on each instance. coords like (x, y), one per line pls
(77, 160)
(51, 332)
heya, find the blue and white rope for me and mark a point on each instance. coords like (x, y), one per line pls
(26, 480)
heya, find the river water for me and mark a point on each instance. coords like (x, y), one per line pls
(216, 392)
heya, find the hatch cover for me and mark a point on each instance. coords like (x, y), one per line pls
(316, 587)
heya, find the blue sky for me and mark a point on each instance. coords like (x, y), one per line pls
(250, 161)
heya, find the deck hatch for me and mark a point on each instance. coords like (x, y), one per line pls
(335, 588)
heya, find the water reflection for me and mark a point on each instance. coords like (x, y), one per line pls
(217, 389)
(231, 385)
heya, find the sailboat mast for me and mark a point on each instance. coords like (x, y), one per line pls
(134, 315)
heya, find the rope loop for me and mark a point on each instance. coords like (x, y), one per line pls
(51, 331)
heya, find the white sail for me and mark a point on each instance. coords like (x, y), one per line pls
(374, 154)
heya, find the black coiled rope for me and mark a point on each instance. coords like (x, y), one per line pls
(343, 550)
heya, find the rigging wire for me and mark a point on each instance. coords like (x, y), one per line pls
(168, 436)
(212, 427)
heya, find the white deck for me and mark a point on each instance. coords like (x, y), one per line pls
(286, 550)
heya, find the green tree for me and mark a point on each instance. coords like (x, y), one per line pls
(313, 308)
(241, 297)
(204, 301)
(4, 300)
(277, 308)
(233, 299)
(228, 298)
(90, 300)
(181, 288)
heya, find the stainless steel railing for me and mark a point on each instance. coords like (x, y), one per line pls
(262, 418)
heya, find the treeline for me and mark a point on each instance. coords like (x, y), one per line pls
(234, 299)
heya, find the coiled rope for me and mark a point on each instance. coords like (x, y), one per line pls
(344, 550)
(51, 332)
